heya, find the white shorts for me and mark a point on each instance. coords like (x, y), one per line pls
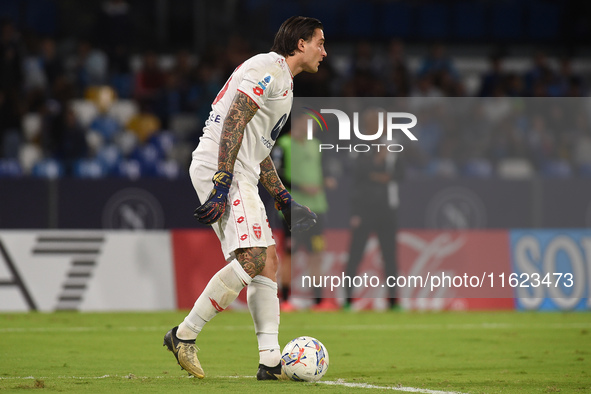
(244, 224)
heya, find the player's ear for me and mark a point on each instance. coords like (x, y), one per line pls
(301, 45)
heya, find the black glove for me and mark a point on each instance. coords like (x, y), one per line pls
(213, 209)
(299, 218)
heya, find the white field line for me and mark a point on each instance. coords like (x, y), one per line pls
(357, 327)
(338, 382)
(394, 388)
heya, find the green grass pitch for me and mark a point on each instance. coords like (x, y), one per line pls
(504, 352)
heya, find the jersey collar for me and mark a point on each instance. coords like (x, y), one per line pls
(287, 64)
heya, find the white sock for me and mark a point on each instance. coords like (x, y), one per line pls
(264, 308)
(222, 289)
(270, 357)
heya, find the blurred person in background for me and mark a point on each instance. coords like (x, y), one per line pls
(10, 125)
(91, 66)
(234, 153)
(374, 208)
(301, 167)
(149, 79)
(72, 144)
(395, 71)
(11, 57)
(538, 76)
(11, 80)
(492, 82)
(52, 63)
(438, 65)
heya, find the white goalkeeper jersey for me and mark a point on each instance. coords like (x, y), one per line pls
(267, 80)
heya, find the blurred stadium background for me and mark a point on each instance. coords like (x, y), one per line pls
(102, 102)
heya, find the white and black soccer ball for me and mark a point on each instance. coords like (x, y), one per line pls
(304, 359)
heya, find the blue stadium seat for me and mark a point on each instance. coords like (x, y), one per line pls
(585, 170)
(444, 168)
(130, 169)
(89, 168)
(48, 168)
(10, 168)
(107, 126)
(109, 156)
(148, 156)
(477, 168)
(556, 169)
(163, 141)
(123, 85)
(167, 169)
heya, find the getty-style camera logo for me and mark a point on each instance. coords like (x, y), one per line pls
(387, 122)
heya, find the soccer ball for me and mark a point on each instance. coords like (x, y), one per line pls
(304, 359)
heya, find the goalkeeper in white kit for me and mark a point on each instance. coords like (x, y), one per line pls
(234, 154)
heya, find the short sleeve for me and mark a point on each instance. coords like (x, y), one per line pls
(257, 84)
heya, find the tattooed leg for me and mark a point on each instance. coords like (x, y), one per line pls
(222, 289)
(252, 260)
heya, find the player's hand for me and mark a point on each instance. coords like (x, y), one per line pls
(299, 218)
(213, 209)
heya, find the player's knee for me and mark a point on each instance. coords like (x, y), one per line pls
(252, 260)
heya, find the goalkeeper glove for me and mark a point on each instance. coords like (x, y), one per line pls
(213, 209)
(299, 218)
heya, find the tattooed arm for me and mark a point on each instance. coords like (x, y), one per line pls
(269, 178)
(241, 112)
(298, 217)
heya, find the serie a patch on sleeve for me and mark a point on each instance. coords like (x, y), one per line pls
(263, 84)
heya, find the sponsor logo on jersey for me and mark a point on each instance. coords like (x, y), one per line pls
(258, 91)
(240, 219)
(213, 118)
(257, 230)
(236, 203)
(286, 91)
(268, 144)
(243, 237)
